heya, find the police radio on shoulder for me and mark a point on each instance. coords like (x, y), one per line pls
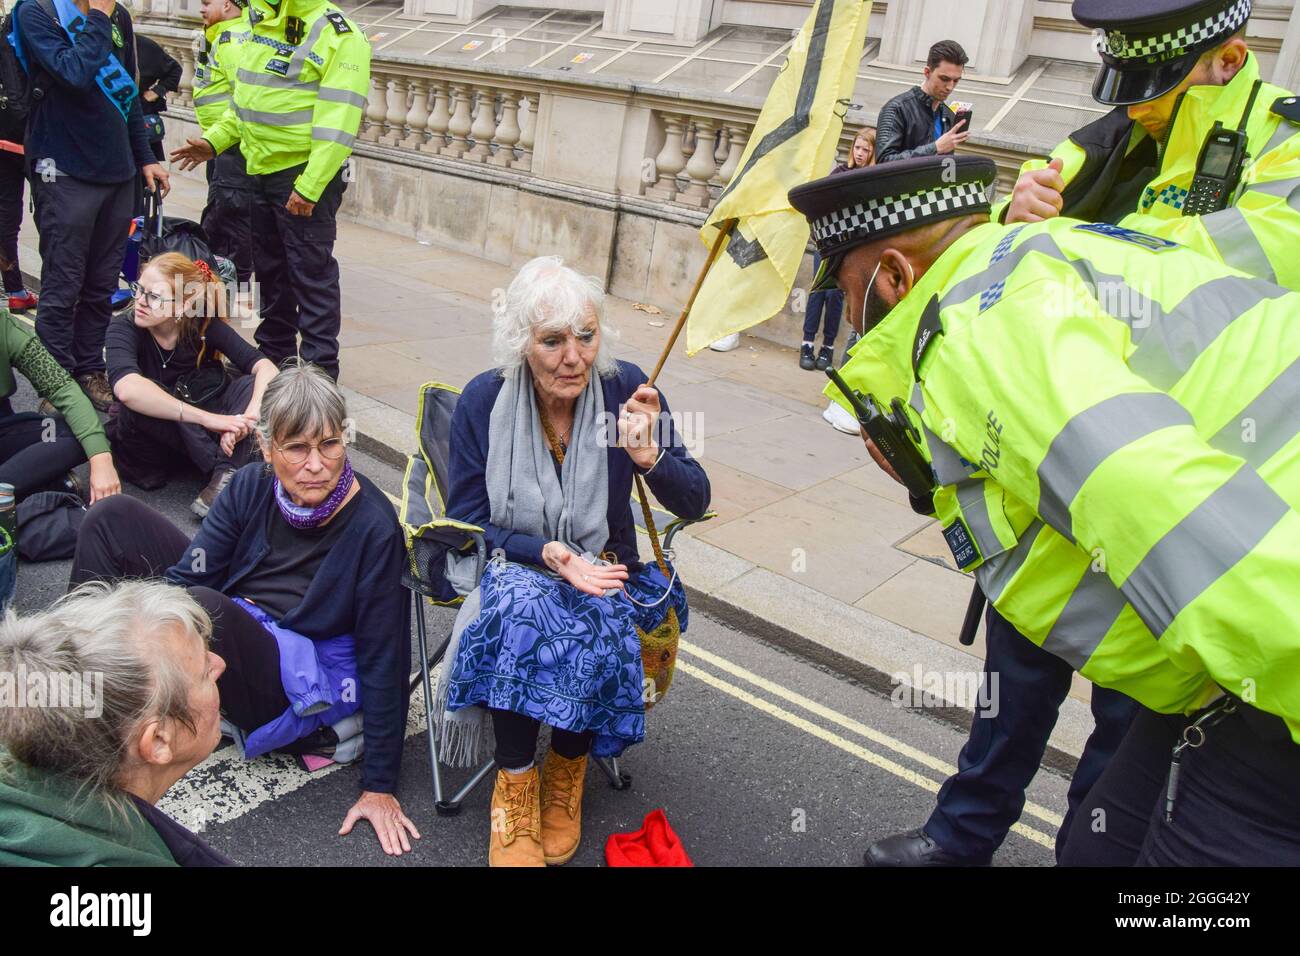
(1219, 167)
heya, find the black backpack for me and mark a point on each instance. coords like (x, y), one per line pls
(18, 91)
(48, 522)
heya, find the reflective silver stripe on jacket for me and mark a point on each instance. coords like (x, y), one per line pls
(975, 509)
(333, 95)
(272, 81)
(332, 135)
(1236, 242)
(946, 464)
(1090, 612)
(1268, 422)
(1092, 436)
(996, 572)
(292, 118)
(1207, 544)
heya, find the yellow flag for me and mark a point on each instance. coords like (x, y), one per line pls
(793, 143)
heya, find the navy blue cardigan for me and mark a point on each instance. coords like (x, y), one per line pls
(678, 482)
(357, 591)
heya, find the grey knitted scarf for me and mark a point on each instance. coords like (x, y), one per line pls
(525, 495)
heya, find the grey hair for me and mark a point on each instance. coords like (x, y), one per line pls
(114, 633)
(547, 294)
(301, 400)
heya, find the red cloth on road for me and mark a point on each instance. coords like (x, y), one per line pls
(655, 844)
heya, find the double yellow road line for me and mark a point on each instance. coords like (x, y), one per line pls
(882, 740)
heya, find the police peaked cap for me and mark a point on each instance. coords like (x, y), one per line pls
(848, 209)
(1148, 47)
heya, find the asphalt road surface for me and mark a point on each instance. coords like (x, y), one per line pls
(757, 757)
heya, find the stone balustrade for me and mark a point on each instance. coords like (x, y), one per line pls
(509, 163)
(449, 116)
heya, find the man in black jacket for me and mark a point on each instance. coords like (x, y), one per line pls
(919, 122)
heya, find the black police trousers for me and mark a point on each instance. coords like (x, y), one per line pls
(228, 215)
(1235, 803)
(297, 274)
(977, 806)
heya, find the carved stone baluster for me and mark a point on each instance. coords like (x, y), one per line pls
(485, 125)
(439, 119)
(737, 137)
(395, 115)
(417, 119)
(507, 133)
(185, 95)
(376, 107)
(460, 124)
(702, 166)
(527, 131)
(670, 161)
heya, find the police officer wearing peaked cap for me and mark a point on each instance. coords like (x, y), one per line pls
(1188, 67)
(300, 92)
(1189, 100)
(1148, 48)
(1113, 436)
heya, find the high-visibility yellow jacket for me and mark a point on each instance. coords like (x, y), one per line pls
(215, 66)
(1258, 231)
(1112, 421)
(299, 93)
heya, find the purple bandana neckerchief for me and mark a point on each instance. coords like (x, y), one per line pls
(301, 517)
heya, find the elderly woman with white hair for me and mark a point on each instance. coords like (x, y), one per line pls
(299, 562)
(118, 701)
(550, 635)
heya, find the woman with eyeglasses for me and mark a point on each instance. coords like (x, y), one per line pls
(299, 564)
(176, 398)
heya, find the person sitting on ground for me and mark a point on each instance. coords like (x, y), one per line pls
(550, 634)
(37, 449)
(128, 706)
(174, 392)
(300, 564)
(830, 302)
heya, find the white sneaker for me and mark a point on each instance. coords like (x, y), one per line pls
(839, 419)
(726, 344)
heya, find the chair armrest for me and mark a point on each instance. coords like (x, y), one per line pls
(428, 545)
(677, 524)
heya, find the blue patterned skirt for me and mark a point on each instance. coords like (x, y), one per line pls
(542, 648)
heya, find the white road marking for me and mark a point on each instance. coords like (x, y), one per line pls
(826, 713)
(835, 740)
(226, 786)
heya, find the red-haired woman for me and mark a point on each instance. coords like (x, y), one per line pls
(174, 392)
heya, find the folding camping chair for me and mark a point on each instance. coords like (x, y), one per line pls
(430, 535)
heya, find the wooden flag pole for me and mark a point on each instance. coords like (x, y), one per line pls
(718, 243)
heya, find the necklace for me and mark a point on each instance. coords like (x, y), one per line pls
(558, 447)
(158, 348)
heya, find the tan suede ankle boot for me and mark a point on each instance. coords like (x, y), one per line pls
(562, 781)
(516, 820)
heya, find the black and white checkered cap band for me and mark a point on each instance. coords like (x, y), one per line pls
(1187, 37)
(863, 220)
